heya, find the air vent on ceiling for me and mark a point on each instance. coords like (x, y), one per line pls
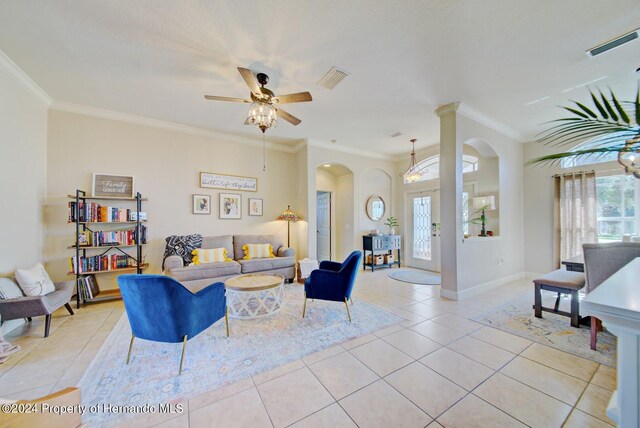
(395, 134)
(332, 78)
(611, 44)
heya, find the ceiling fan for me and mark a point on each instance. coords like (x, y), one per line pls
(263, 109)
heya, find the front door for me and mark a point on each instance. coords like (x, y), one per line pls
(324, 225)
(424, 230)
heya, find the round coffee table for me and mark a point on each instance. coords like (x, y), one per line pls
(254, 295)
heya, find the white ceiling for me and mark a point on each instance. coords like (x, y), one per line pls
(157, 59)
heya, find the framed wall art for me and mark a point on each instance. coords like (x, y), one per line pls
(201, 204)
(212, 180)
(230, 206)
(112, 186)
(255, 206)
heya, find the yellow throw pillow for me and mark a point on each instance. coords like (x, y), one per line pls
(213, 255)
(257, 251)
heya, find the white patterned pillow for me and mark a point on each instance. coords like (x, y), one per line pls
(35, 281)
(9, 289)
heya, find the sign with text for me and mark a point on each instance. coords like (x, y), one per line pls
(112, 186)
(212, 180)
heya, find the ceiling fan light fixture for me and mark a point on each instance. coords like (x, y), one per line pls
(263, 115)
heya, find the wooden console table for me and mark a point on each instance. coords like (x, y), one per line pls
(617, 303)
(380, 244)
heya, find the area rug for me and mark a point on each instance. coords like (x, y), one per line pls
(516, 317)
(213, 360)
(415, 276)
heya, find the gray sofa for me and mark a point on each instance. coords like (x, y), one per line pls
(197, 277)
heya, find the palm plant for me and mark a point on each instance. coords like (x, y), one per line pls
(617, 127)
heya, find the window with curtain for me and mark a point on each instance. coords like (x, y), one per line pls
(575, 213)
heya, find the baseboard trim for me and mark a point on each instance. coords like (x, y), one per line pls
(485, 286)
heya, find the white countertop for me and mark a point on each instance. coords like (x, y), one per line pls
(619, 295)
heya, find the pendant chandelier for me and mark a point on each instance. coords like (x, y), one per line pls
(414, 172)
(629, 157)
(263, 115)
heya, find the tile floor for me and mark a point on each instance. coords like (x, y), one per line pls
(436, 368)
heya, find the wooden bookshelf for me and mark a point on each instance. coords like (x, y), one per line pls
(120, 270)
(101, 247)
(108, 222)
(105, 295)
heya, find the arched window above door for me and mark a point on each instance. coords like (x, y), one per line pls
(431, 166)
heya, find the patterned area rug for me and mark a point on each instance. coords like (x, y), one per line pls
(213, 360)
(415, 276)
(552, 330)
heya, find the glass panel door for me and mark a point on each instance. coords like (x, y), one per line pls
(423, 240)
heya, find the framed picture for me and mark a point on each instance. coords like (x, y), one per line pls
(238, 183)
(112, 186)
(255, 206)
(201, 204)
(230, 206)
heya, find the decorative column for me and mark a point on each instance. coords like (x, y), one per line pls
(450, 199)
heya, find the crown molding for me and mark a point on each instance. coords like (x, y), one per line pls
(21, 77)
(489, 122)
(164, 124)
(349, 150)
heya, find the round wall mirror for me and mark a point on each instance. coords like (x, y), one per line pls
(375, 207)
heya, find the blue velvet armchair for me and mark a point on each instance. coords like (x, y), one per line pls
(333, 281)
(161, 309)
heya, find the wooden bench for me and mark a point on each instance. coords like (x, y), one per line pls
(562, 282)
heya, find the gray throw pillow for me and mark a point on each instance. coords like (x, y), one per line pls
(9, 289)
(182, 246)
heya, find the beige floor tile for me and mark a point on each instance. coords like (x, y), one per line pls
(277, 372)
(552, 382)
(509, 342)
(326, 353)
(594, 401)
(332, 416)
(457, 323)
(457, 368)
(523, 402)
(381, 357)
(442, 303)
(427, 389)
(472, 412)
(241, 410)
(605, 377)
(411, 343)
(579, 419)
(388, 330)
(30, 394)
(424, 311)
(379, 405)
(343, 374)
(437, 332)
(434, 424)
(358, 341)
(398, 301)
(293, 396)
(562, 361)
(179, 422)
(218, 394)
(482, 352)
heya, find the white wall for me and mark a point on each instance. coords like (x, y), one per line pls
(355, 193)
(166, 166)
(23, 176)
(491, 260)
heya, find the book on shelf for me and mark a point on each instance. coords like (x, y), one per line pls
(92, 212)
(109, 238)
(88, 287)
(100, 263)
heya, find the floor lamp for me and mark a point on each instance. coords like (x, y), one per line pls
(288, 215)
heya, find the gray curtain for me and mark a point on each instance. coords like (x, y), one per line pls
(574, 213)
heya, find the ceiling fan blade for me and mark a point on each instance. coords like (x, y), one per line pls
(251, 81)
(217, 98)
(299, 97)
(286, 116)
